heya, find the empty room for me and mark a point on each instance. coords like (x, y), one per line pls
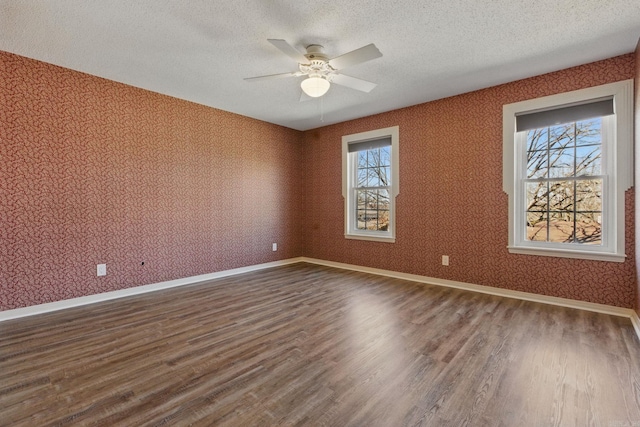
(278, 213)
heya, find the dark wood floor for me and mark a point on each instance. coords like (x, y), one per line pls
(309, 345)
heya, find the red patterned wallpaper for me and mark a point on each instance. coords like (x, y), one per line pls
(93, 171)
(451, 200)
(637, 168)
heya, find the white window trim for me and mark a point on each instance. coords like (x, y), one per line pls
(621, 164)
(350, 232)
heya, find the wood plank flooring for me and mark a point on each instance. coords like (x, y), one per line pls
(308, 345)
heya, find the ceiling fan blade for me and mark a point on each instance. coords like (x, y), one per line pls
(353, 83)
(273, 76)
(289, 50)
(355, 57)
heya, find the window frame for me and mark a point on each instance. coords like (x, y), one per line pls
(349, 185)
(617, 162)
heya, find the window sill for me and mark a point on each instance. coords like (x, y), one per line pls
(370, 238)
(588, 255)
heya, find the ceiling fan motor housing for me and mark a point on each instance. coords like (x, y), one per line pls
(318, 62)
(314, 51)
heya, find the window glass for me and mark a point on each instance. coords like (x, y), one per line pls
(563, 184)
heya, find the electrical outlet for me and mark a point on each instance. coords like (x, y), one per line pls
(445, 259)
(274, 247)
(102, 269)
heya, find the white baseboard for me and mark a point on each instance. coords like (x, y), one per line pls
(137, 290)
(526, 296)
(635, 320)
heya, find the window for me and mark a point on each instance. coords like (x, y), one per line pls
(567, 161)
(370, 184)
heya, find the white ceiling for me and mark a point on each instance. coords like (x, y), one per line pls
(201, 50)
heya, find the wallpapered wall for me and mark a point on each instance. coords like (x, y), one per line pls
(93, 171)
(451, 200)
(637, 168)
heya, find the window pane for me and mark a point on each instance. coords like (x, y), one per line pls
(372, 212)
(561, 163)
(561, 136)
(552, 206)
(589, 228)
(589, 160)
(537, 164)
(537, 226)
(589, 195)
(385, 176)
(565, 211)
(374, 168)
(383, 199)
(372, 200)
(561, 196)
(362, 177)
(371, 220)
(536, 196)
(373, 157)
(589, 132)
(361, 197)
(537, 139)
(561, 227)
(361, 213)
(373, 175)
(385, 156)
(383, 220)
(362, 159)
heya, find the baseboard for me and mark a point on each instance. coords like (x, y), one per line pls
(635, 320)
(137, 290)
(526, 296)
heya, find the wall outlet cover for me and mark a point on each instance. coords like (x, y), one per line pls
(102, 269)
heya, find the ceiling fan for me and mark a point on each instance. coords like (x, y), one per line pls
(322, 71)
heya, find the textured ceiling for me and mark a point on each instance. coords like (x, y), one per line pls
(201, 50)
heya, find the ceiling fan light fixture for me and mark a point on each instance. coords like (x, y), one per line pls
(315, 86)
